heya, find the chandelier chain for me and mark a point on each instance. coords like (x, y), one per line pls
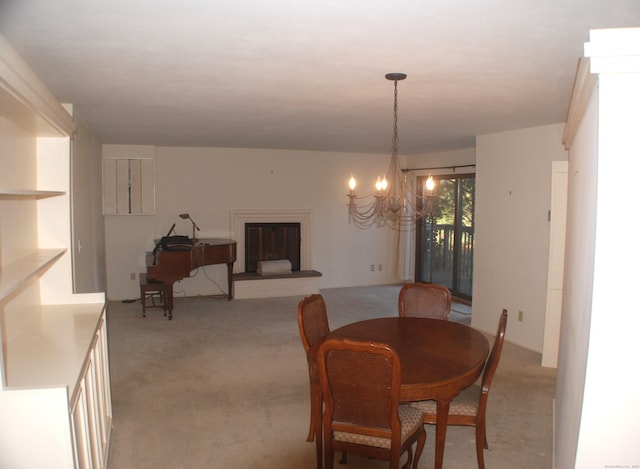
(395, 139)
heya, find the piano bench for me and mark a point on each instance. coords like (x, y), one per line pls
(148, 290)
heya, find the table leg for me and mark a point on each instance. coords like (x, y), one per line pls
(230, 280)
(169, 300)
(441, 430)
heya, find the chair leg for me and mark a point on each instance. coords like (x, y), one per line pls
(316, 420)
(328, 457)
(481, 443)
(343, 459)
(311, 434)
(419, 447)
(407, 465)
(312, 430)
(319, 450)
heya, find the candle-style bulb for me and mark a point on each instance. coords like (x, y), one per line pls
(352, 183)
(430, 184)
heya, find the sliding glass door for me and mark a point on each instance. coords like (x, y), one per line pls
(444, 242)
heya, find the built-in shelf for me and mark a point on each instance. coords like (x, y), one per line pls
(19, 272)
(52, 351)
(28, 194)
(54, 362)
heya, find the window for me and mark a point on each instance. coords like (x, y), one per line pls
(444, 242)
(128, 186)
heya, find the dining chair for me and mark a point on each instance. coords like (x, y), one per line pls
(469, 408)
(313, 326)
(361, 387)
(425, 300)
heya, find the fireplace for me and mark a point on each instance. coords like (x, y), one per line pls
(271, 241)
(301, 282)
(239, 218)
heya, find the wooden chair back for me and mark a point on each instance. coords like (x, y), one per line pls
(425, 300)
(470, 406)
(361, 386)
(313, 326)
(494, 356)
(312, 320)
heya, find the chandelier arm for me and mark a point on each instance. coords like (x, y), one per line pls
(363, 212)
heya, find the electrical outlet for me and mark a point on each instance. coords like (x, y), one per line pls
(373, 268)
(520, 316)
(380, 267)
(133, 276)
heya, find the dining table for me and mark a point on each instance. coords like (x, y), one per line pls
(438, 358)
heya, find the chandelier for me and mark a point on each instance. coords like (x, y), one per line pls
(394, 202)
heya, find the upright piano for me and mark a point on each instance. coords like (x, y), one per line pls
(173, 264)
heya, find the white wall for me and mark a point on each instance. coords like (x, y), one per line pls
(598, 416)
(513, 186)
(578, 285)
(609, 432)
(208, 182)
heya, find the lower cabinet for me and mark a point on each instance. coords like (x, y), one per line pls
(55, 402)
(91, 408)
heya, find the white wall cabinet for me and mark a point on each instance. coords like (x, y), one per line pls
(55, 402)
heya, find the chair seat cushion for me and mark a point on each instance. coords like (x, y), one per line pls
(466, 403)
(410, 417)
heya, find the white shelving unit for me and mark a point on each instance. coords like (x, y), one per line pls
(26, 194)
(55, 401)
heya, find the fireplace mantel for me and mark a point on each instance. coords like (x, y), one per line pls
(238, 218)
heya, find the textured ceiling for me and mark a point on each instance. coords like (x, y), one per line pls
(303, 74)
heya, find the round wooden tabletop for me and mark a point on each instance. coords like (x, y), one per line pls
(438, 358)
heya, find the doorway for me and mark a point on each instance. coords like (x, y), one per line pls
(444, 241)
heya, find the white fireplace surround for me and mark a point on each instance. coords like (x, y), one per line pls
(238, 218)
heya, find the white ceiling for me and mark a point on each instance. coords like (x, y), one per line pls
(305, 74)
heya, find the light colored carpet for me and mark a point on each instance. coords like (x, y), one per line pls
(225, 384)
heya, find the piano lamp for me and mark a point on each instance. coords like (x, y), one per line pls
(186, 216)
(394, 202)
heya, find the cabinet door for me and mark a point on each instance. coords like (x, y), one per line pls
(80, 429)
(93, 415)
(102, 394)
(91, 411)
